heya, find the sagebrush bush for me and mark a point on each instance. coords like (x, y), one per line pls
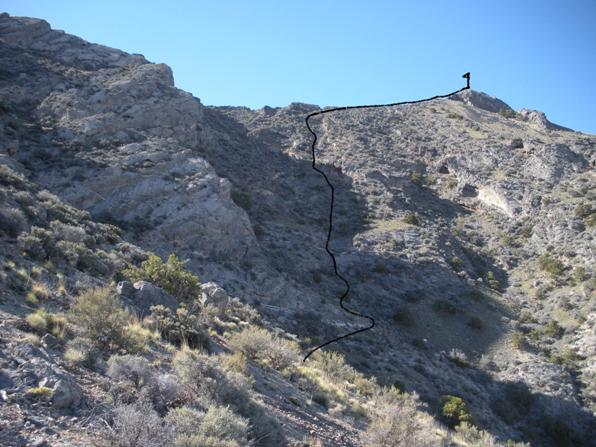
(264, 347)
(100, 317)
(36, 244)
(131, 368)
(182, 327)
(397, 421)
(12, 221)
(80, 351)
(411, 219)
(203, 375)
(201, 372)
(218, 426)
(138, 425)
(170, 276)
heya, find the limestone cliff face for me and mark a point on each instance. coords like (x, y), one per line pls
(118, 140)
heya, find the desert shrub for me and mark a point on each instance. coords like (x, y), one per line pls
(235, 362)
(131, 368)
(553, 329)
(39, 292)
(138, 425)
(170, 276)
(40, 392)
(100, 317)
(403, 316)
(519, 340)
(492, 281)
(444, 306)
(507, 113)
(43, 321)
(12, 221)
(203, 375)
(333, 365)
(80, 351)
(365, 386)
(456, 262)
(37, 244)
(453, 410)
(182, 327)
(264, 347)
(475, 323)
(416, 178)
(579, 275)
(552, 266)
(138, 336)
(79, 256)
(583, 210)
(397, 421)
(411, 219)
(218, 427)
(8, 177)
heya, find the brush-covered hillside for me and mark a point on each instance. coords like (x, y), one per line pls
(163, 270)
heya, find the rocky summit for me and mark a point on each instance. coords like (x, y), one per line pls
(163, 266)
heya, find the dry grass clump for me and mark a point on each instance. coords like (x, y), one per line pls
(264, 347)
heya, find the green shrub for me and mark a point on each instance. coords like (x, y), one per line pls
(182, 327)
(445, 307)
(553, 329)
(493, 282)
(101, 318)
(553, 267)
(411, 219)
(218, 427)
(403, 316)
(519, 341)
(456, 262)
(12, 221)
(170, 276)
(416, 178)
(453, 410)
(264, 347)
(475, 323)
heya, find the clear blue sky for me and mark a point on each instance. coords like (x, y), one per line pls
(534, 54)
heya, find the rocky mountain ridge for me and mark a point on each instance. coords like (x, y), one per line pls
(464, 227)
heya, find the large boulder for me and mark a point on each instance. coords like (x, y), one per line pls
(212, 293)
(145, 295)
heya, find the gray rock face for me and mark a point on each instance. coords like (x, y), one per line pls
(146, 295)
(483, 101)
(212, 293)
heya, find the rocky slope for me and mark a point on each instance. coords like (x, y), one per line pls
(465, 228)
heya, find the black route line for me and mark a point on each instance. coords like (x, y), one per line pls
(327, 249)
